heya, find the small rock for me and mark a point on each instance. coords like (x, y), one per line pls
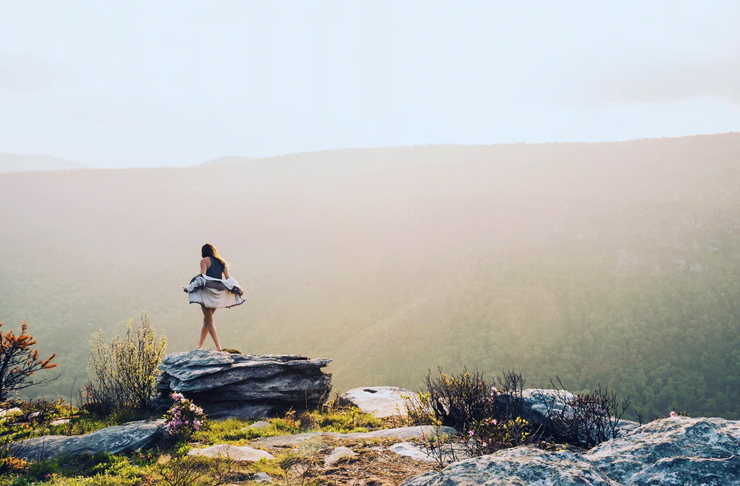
(450, 453)
(262, 478)
(239, 454)
(61, 421)
(35, 415)
(261, 425)
(338, 454)
(379, 401)
(9, 411)
(412, 451)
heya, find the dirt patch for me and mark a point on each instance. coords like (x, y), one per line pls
(373, 465)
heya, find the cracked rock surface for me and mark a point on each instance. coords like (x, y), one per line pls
(250, 386)
(669, 452)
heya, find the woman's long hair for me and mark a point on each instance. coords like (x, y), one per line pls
(208, 250)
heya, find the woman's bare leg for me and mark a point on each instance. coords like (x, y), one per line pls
(204, 329)
(208, 328)
(212, 331)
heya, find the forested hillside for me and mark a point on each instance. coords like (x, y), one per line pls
(611, 263)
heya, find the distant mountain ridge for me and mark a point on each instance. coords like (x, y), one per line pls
(22, 163)
(445, 152)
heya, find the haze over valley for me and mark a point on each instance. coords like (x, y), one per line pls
(611, 263)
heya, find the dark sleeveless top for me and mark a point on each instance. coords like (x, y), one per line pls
(216, 269)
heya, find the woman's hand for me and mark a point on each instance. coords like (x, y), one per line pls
(185, 289)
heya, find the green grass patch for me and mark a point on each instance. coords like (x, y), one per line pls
(237, 431)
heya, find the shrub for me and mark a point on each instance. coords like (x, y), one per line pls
(454, 401)
(488, 417)
(184, 418)
(584, 420)
(19, 362)
(123, 373)
(193, 471)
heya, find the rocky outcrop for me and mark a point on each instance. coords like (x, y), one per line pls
(518, 466)
(247, 386)
(120, 438)
(668, 452)
(380, 401)
(674, 451)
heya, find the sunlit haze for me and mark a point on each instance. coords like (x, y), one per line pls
(177, 83)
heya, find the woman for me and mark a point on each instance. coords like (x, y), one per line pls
(212, 291)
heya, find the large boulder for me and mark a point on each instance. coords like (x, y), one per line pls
(116, 439)
(249, 386)
(669, 452)
(380, 401)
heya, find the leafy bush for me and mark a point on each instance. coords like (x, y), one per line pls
(18, 362)
(123, 373)
(184, 418)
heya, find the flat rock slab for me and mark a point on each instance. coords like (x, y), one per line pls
(676, 451)
(200, 370)
(238, 454)
(246, 386)
(120, 438)
(338, 454)
(403, 433)
(380, 401)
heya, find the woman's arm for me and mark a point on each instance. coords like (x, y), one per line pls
(204, 264)
(226, 272)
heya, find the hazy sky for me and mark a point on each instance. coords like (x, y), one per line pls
(117, 84)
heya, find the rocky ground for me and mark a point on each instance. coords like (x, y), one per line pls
(360, 443)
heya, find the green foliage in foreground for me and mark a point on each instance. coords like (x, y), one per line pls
(36, 419)
(173, 466)
(237, 432)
